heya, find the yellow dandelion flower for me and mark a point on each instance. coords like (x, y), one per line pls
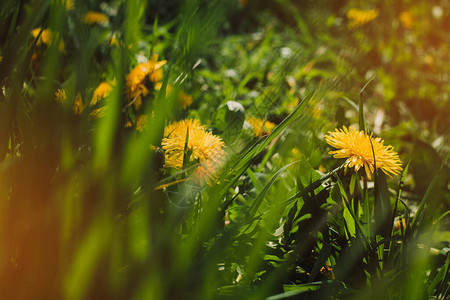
(112, 40)
(260, 127)
(94, 17)
(293, 104)
(327, 271)
(97, 113)
(141, 122)
(203, 147)
(78, 106)
(60, 96)
(205, 172)
(406, 20)
(429, 61)
(45, 38)
(136, 88)
(100, 92)
(356, 146)
(400, 223)
(359, 17)
(185, 99)
(70, 5)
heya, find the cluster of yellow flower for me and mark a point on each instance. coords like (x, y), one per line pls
(260, 127)
(78, 107)
(93, 17)
(101, 91)
(189, 137)
(150, 71)
(135, 81)
(406, 19)
(358, 17)
(137, 86)
(45, 38)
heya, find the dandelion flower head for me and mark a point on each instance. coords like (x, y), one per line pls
(185, 99)
(78, 105)
(406, 19)
(359, 17)
(100, 92)
(94, 17)
(356, 146)
(45, 37)
(204, 147)
(98, 113)
(60, 96)
(260, 127)
(152, 69)
(141, 122)
(69, 5)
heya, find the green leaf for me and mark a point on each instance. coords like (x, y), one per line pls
(320, 262)
(430, 193)
(361, 106)
(358, 225)
(244, 162)
(440, 277)
(256, 182)
(258, 200)
(349, 221)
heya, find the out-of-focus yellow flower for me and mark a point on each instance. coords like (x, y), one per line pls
(202, 147)
(359, 17)
(296, 152)
(356, 146)
(141, 122)
(406, 20)
(205, 171)
(260, 127)
(322, 169)
(136, 88)
(78, 106)
(185, 99)
(429, 61)
(97, 113)
(70, 5)
(60, 96)
(45, 38)
(400, 224)
(293, 104)
(112, 40)
(327, 271)
(94, 17)
(100, 92)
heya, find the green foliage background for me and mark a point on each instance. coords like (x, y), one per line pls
(82, 211)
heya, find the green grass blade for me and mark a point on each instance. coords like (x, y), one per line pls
(440, 277)
(245, 161)
(362, 121)
(428, 194)
(258, 200)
